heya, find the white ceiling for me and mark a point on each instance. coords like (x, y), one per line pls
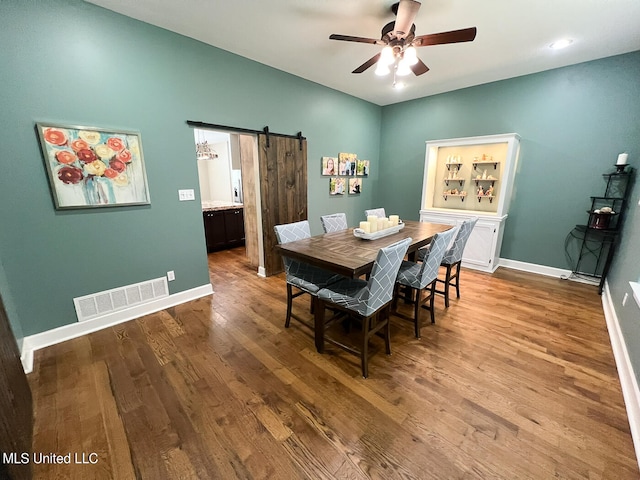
(293, 36)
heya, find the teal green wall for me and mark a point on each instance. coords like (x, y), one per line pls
(7, 300)
(573, 123)
(625, 269)
(73, 63)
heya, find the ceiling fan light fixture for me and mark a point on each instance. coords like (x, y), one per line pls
(382, 69)
(410, 55)
(387, 56)
(403, 68)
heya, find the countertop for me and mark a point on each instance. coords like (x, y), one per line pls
(215, 206)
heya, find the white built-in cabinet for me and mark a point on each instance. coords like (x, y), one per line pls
(471, 177)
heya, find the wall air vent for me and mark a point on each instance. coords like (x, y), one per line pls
(103, 303)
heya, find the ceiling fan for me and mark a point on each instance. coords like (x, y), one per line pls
(400, 42)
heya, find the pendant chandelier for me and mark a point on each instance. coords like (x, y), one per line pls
(204, 151)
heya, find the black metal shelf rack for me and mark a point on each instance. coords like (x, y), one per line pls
(599, 237)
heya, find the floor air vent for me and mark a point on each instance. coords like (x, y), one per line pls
(103, 303)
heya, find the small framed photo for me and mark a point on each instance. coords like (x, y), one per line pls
(329, 166)
(362, 168)
(347, 164)
(355, 186)
(337, 186)
(91, 167)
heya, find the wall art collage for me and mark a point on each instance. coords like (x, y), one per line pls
(346, 172)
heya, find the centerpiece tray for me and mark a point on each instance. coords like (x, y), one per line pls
(357, 232)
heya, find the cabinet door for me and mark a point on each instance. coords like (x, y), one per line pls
(214, 230)
(234, 225)
(480, 246)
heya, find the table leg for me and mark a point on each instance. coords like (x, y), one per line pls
(318, 320)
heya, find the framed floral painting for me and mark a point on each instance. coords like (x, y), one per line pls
(91, 167)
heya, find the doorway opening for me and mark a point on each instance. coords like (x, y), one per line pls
(226, 178)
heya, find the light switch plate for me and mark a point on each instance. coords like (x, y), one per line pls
(186, 195)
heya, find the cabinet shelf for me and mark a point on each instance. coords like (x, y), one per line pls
(462, 196)
(455, 165)
(492, 180)
(495, 164)
(490, 197)
(459, 180)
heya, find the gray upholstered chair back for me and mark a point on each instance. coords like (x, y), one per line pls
(383, 276)
(334, 222)
(431, 263)
(378, 212)
(291, 232)
(454, 254)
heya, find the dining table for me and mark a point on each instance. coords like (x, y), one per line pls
(346, 254)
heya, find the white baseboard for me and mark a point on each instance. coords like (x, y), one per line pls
(262, 272)
(57, 335)
(535, 268)
(627, 376)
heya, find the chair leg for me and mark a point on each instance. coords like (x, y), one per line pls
(394, 301)
(364, 352)
(416, 314)
(387, 330)
(431, 302)
(318, 321)
(312, 304)
(457, 277)
(447, 281)
(287, 322)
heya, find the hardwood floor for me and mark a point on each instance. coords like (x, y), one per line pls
(516, 380)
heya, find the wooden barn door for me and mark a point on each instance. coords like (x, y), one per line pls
(16, 407)
(283, 189)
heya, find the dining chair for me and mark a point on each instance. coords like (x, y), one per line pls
(304, 277)
(334, 222)
(453, 258)
(368, 300)
(419, 277)
(378, 212)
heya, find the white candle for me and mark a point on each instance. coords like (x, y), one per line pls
(394, 219)
(373, 223)
(622, 159)
(380, 223)
(366, 226)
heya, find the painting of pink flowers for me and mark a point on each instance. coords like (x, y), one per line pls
(90, 167)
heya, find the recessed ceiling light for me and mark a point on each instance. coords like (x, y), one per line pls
(562, 43)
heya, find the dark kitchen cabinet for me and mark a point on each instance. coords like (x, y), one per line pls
(234, 226)
(223, 228)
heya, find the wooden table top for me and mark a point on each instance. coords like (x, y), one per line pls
(343, 253)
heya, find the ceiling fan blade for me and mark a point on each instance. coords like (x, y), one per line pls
(348, 38)
(454, 36)
(419, 68)
(372, 61)
(407, 11)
